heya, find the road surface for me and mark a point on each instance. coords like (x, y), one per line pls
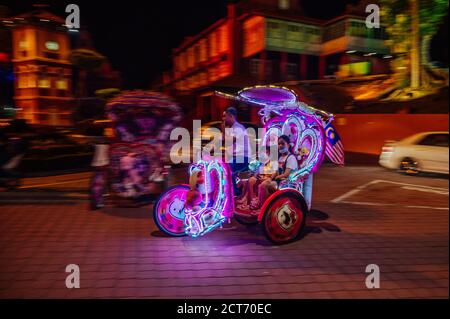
(362, 215)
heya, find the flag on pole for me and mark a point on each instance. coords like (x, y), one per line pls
(334, 148)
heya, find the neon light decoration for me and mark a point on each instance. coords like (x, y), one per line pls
(218, 199)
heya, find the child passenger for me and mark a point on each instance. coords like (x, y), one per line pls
(287, 163)
(251, 185)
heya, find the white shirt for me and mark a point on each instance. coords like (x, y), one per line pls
(241, 143)
(291, 161)
(101, 155)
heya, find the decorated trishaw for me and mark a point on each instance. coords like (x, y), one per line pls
(283, 214)
(130, 166)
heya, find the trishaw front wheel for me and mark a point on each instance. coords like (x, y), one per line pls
(168, 211)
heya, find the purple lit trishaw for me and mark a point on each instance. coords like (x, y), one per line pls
(283, 214)
(130, 165)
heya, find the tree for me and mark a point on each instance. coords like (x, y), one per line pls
(431, 14)
(86, 61)
(415, 44)
(397, 23)
(397, 15)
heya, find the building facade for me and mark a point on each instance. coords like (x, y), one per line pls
(269, 41)
(43, 74)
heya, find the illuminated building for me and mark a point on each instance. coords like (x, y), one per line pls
(267, 41)
(40, 50)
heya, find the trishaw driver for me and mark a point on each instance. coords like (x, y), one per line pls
(237, 153)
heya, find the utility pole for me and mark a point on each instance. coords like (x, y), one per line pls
(415, 44)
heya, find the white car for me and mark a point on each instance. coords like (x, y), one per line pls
(422, 152)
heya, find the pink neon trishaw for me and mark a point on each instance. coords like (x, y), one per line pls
(283, 214)
(131, 165)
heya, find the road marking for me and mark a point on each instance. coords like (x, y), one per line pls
(422, 188)
(56, 183)
(353, 192)
(435, 191)
(367, 203)
(428, 207)
(407, 184)
(387, 204)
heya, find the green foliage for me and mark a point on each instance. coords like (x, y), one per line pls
(431, 13)
(396, 16)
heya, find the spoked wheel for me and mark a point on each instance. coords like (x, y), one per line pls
(168, 211)
(409, 166)
(284, 216)
(98, 190)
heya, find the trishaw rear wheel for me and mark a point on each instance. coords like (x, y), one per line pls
(284, 217)
(168, 211)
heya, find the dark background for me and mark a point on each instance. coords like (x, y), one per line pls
(138, 36)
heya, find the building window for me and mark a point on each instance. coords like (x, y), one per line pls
(191, 57)
(213, 44)
(61, 84)
(223, 38)
(203, 50)
(283, 4)
(196, 54)
(334, 31)
(358, 29)
(22, 81)
(52, 46)
(273, 25)
(44, 83)
(293, 28)
(23, 47)
(182, 62)
(292, 70)
(274, 29)
(257, 64)
(253, 37)
(254, 67)
(31, 81)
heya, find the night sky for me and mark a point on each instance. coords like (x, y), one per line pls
(138, 36)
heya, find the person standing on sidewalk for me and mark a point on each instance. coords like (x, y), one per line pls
(99, 166)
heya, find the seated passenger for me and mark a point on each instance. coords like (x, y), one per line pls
(250, 186)
(287, 163)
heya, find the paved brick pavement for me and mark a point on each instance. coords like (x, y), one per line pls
(121, 253)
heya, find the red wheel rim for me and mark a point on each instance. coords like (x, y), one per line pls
(170, 210)
(284, 218)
